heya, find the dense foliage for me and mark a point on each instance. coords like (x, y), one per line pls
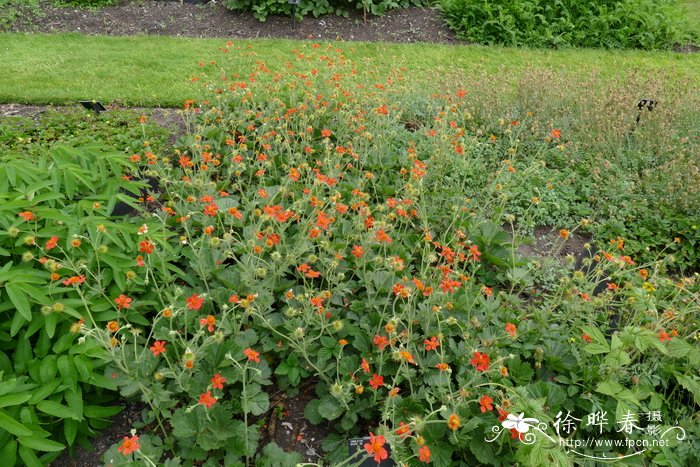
(321, 223)
(613, 24)
(262, 9)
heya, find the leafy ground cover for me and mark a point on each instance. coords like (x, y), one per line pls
(326, 222)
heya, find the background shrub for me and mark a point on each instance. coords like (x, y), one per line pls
(261, 9)
(644, 24)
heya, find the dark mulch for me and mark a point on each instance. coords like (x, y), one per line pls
(214, 20)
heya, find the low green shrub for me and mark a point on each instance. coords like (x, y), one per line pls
(613, 24)
(262, 9)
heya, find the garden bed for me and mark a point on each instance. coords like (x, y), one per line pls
(214, 20)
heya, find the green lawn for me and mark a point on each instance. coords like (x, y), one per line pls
(156, 71)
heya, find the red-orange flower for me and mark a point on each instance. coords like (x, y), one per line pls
(129, 445)
(382, 237)
(217, 381)
(51, 243)
(146, 247)
(586, 337)
(209, 322)
(123, 302)
(207, 399)
(375, 448)
(158, 348)
(556, 134)
(486, 403)
(511, 329)
(194, 302)
(26, 215)
(365, 366)
(381, 341)
(252, 355)
(424, 454)
(664, 336)
(358, 251)
(431, 344)
(74, 280)
(308, 272)
(403, 430)
(480, 361)
(376, 381)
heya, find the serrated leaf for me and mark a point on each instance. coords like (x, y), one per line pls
(29, 457)
(44, 391)
(610, 388)
(40, 444)
(9, 400)
(13, 426)
(57, 410)
(255, 401)
(97, 411)
(19, 300)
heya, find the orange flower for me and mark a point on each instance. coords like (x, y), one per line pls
(123, 302)
(26, 215)
(480, 361)
(407, 356)
(210, 209)
(365, 366)
(375, 447)
(129, 445)
(158, 348)
(326, 133)
(586, 338)
(563, 233)
(424, 454)
(308, 272)
(442, 366)
(376, 381)
(146, 247)
(252, 355)
(194, 302)
(209, 322)
(431, 344)
(113, 326)
(74, 280)
(511, 329)
(381, 341)
(664, 336)
(556, 134)
(486, 404)
(207, 399)
(403, 430)
(358, 251)
(394, 392)
(217, 381)
(454, 422)
(51, 243)
(382, 237)
(139, 261)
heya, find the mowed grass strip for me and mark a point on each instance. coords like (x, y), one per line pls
(157, 70)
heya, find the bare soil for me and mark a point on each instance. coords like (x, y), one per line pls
(173, 18)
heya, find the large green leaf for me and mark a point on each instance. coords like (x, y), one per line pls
(19, 300)
(8, 423)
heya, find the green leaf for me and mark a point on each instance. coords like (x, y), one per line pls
(9, 400)
(692, 385)
(11, 425)
(8, 453)
(329, 408)
(57, 410)
(29, 458)
(44, 391)
(610, 388)
(256, 401)
(596, 349)
(96, 411)
(19, 300)
(312, 413)
(40, 444)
